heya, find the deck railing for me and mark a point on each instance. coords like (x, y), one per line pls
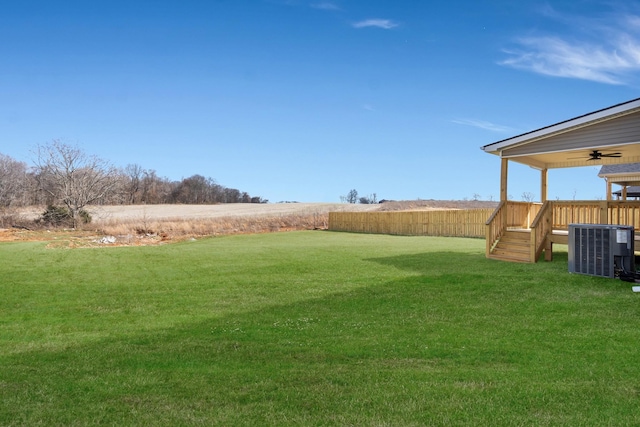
(507, 215)
(624, 213)
(496, 225)
(578, 212)
(557, 215)
(595, 212)
(541, 227)
(520, 214)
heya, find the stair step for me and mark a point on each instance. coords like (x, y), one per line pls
(508, 250)
(508, 244)
(509, 258)
(516, 237)
(513, 246)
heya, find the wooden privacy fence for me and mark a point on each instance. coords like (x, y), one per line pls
(455, 223)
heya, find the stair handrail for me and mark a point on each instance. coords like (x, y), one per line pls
(495, 226)
(541, 227)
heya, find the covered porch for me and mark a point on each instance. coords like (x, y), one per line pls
(522, 231)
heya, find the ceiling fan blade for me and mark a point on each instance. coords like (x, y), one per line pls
(596, 155)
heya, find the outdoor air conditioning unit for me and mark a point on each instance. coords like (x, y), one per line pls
(601, 250)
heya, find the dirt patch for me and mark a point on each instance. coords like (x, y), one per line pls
(63, 238)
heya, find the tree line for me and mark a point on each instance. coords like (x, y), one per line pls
(62, 174)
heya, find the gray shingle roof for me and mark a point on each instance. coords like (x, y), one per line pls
(632, 191)
(626, 168)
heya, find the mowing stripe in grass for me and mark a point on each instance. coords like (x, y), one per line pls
(311, 328)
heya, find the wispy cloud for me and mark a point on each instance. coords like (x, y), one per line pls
(482, 124)
(609, 53)
(325, 5)
(385, 24)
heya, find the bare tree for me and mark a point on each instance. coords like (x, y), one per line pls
(65, 175)
(73, 178)
(134, 174)
(13, 182)
(369, 200)
(528, 197)
(192, 190)
(150, 187)
(232, 195)
(352, 196)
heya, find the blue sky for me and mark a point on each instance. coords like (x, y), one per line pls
(306, 99)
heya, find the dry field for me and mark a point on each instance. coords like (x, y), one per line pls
(153, 224)
(191, 212)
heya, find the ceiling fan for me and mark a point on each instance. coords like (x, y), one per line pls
(597, 155)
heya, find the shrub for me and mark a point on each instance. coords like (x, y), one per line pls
(61, 216)
(85, 217)
(56, 215)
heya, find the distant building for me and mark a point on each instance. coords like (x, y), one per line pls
(625, 175)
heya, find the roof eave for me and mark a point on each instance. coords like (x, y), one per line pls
(581, 121)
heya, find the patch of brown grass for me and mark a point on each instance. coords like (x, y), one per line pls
(10, 217)
(150, 229)
(180, 229)
(416, 205)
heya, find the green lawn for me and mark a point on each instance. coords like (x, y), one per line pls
(311, 328)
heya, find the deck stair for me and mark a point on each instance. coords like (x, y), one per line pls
(514, 245)
(523, 232)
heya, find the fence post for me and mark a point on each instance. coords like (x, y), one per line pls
(604, 212)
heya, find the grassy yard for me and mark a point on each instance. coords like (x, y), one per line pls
(311, 328)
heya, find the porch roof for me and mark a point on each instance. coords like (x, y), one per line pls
(624, 175)
(615, 129)
(632, 191)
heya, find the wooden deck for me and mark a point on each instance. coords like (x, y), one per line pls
(521, 232)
